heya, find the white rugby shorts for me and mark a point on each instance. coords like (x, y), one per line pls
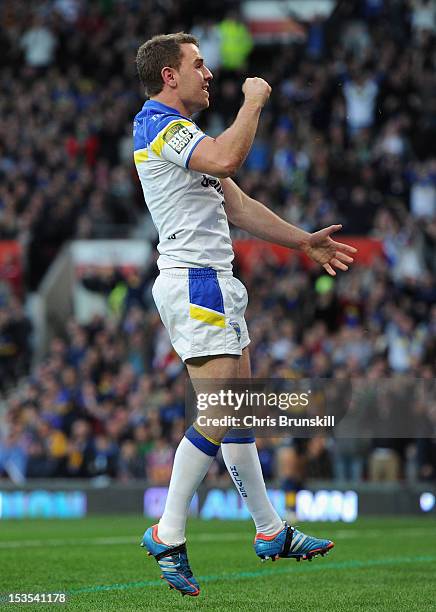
(203, 311)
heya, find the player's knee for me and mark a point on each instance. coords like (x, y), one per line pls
(214, 428)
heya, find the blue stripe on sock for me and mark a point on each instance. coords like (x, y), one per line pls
(238, 437)
(229, 440)
(198, 440)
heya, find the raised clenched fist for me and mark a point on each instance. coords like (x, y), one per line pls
(256, 90)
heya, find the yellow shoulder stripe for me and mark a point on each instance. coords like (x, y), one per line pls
(141, 155)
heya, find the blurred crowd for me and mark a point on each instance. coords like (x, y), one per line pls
(109, 398)
(348, 136)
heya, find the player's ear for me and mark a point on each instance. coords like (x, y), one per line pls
(168, 76)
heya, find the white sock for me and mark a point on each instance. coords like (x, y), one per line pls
(189, 468)
(242, 462)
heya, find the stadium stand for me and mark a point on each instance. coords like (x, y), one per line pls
(348, 136)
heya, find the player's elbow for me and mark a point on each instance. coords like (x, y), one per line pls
(233, 217)
(228, 167)
(221, 168)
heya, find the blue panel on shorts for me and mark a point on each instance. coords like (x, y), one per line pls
(204, 289)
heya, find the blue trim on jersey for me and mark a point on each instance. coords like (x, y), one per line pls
(204, 289)
(152, 119)
(151, 104)
(192, 150)
(138, 134)
(198, 440)
(166, 110)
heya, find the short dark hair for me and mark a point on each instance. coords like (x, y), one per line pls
(160, 51)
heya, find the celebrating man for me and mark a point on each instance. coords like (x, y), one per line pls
(185, 177)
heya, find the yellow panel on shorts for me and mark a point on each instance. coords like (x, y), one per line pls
(207, 316)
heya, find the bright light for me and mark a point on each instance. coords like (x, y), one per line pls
(427, 502)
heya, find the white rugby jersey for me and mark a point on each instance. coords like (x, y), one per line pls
(187, 207)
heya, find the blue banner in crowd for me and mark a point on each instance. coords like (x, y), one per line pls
(42, 504)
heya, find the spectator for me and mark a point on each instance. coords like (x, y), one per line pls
(106, 399)
(360, 95)
(13, 456)
(318, 459)
(102, 460)
(39, 44)
(159, 462)
(236, 42)
(423, 190)
(80, 450)
(131, 463)
(208, 35)
(423, 16)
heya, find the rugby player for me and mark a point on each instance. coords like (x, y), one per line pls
(185, 177)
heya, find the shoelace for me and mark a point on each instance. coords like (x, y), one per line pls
(179, 559)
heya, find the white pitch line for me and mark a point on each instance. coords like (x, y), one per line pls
(382, 533)
(76, 542)
(204, 537)
(342, 534)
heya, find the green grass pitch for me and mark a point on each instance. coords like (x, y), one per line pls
(377, 564)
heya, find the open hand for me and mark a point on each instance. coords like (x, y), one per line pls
(330, 254)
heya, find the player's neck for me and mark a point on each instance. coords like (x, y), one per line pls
(172, 102)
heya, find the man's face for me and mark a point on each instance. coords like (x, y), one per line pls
(193, 79)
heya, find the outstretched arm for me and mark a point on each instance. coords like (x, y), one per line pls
(255, 218)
